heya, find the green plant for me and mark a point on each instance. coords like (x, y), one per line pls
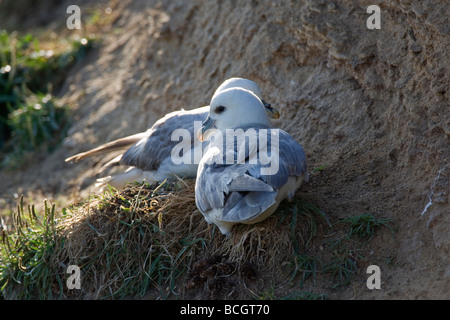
(26, 270)
(342, 268)
(29, 115)
(138, 248)
(319, 168)
(125, 248)
(364, 226)
(38, 121)
(307, 215)
(305, 265)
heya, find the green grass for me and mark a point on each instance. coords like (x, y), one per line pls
(342, 268)
(319, 168)
(339, 260)
(26, 270)
(343, 265)
(29, 114)
(147, 237)
(305, 214)
(305, 265)
(364, 226)
(123, 249)
(37, 122)
(308, 217)
(139, 253)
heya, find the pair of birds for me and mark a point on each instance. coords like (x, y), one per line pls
(226, 192)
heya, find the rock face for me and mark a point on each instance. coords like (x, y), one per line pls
(371, 105)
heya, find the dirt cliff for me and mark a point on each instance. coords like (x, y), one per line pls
(370, 105)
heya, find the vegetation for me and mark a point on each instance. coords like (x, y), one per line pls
(122, 250)
(30, 116)
(26, 255)
(365, 225)
(151, 241)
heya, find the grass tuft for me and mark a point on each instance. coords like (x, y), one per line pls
(129, 243)
(342, 268)
(25, 261)
(306, 265)
(364, 226)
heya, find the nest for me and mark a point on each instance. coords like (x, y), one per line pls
(152, 238)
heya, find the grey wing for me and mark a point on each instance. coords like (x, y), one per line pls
(211, 184)
(242, 207)
(291, 158)
(149, 152)
(244, 192)
(241, 196)
(218, 186)
(291, 161)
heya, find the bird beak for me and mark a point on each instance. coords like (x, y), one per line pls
(271, 112)
(202, 134)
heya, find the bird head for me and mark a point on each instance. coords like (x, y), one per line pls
(250, 86)
(234, 108)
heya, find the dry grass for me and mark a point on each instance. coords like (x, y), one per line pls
(151, 241)
(150, 236)
(127, 241)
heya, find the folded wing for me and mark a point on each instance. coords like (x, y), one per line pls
(241, 191)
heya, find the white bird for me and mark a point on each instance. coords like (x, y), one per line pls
(235, 183)
(148, 154)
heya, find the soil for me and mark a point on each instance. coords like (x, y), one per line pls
(370, 106)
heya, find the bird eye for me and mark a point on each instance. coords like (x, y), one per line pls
(219, 109)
